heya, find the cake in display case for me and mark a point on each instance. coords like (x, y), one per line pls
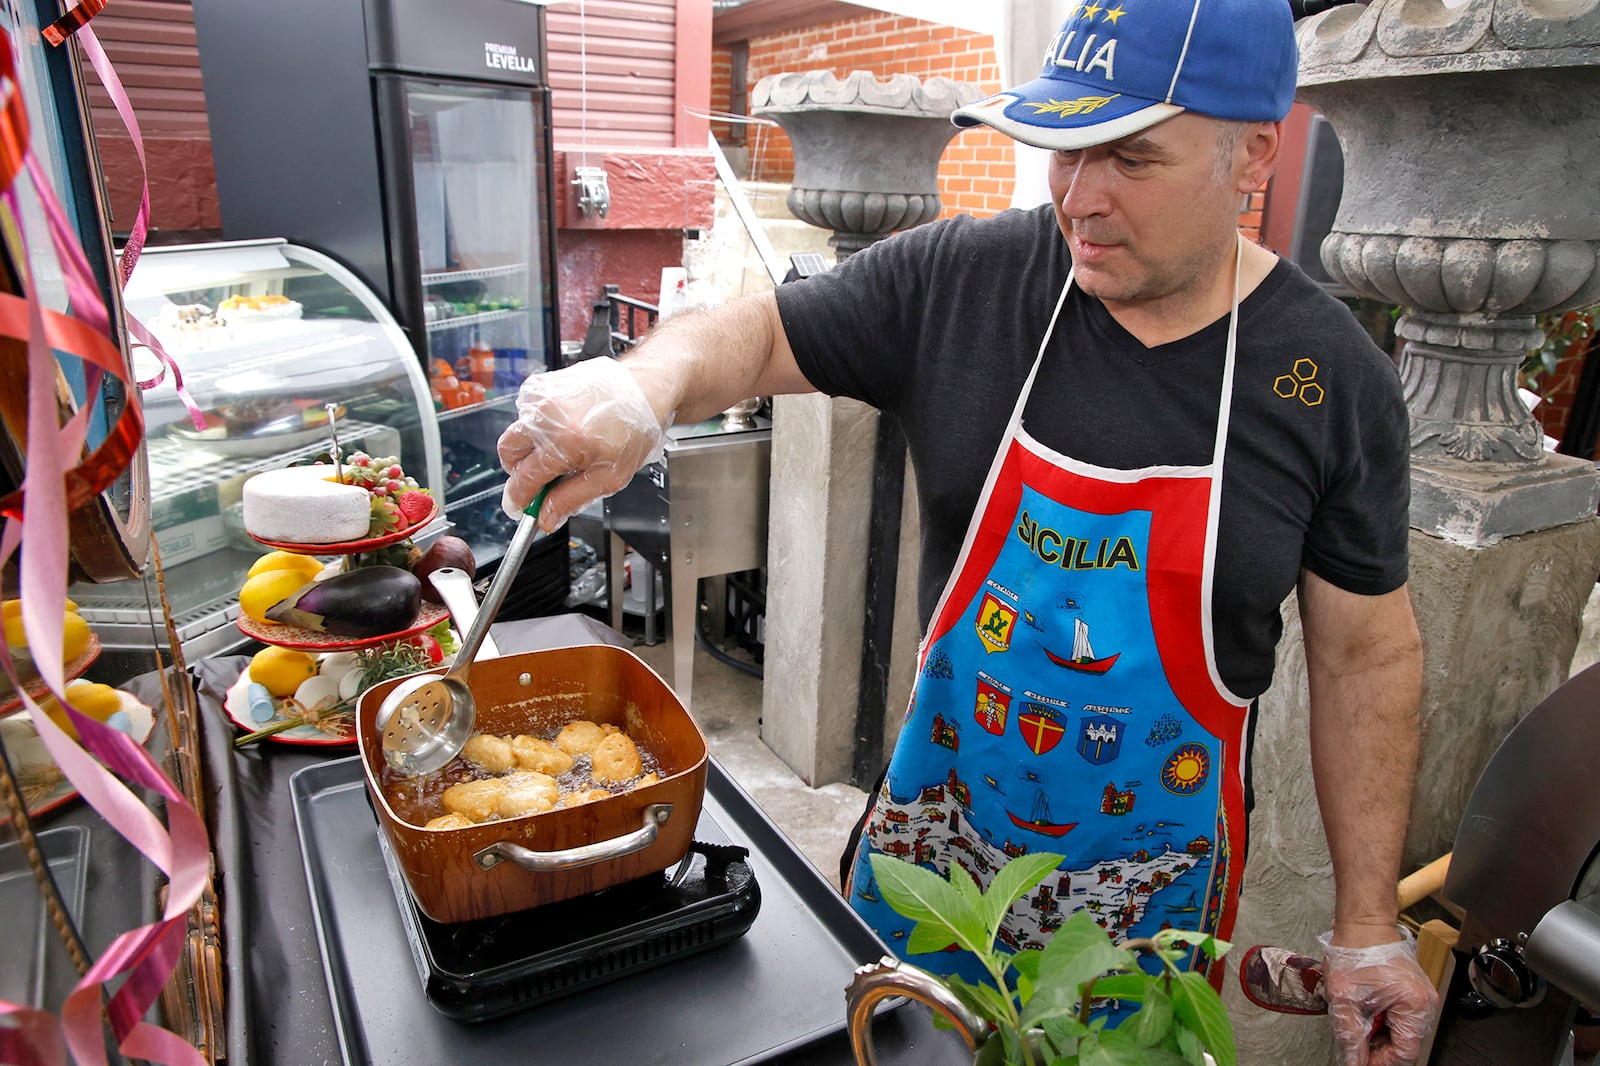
(282, 349)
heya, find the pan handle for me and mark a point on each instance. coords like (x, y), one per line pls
(655, 816)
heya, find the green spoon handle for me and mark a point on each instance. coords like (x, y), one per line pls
(538, 501)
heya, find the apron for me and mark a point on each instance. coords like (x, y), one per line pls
(1067, 701)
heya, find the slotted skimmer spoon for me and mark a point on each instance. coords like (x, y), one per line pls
(426, 719)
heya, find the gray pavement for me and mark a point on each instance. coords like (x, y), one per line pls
(727, 704)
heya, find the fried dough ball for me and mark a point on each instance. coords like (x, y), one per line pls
(582, 737)
(541, 755)
(647, 779)
(527, 792)
(476, 800)
(616, 758)
(491, 754)
(582, 796)
(449, 821)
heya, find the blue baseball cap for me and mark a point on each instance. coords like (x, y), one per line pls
(1121, 66)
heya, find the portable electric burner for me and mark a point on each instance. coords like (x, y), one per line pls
(477, 970)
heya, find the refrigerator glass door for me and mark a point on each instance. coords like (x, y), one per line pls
(482, 248)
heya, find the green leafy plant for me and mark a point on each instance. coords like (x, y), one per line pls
(1040, 1005)
(1561, 332)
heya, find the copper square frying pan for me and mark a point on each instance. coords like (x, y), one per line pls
(494, 868)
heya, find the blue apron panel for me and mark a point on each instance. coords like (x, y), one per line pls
(1043, 721)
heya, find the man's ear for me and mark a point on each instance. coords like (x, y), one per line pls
(1260, 147)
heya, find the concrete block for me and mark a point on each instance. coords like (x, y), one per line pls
(816, 570)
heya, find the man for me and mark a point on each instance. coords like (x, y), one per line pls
(1122, 473)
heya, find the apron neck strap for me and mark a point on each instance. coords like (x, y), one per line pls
(1225, 405)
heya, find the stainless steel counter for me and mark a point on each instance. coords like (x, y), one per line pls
(700, 512)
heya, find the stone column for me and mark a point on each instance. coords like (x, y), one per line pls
(866, 165)
(1467, 133)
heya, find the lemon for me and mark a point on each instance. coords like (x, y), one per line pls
(281, 670)
(13, 608)
(16, 638)
(99, 702)
(303, 564)
(74, 635)
(262, 592)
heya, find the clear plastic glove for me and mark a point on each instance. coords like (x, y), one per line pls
(1381, 1004)
(590, 425)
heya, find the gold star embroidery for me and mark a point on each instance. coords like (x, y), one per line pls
(1114, 13)
(1092, 10)
(1081, 106)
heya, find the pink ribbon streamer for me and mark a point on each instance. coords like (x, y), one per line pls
(119, 99)
(138, 962)
(33, 1037)
(134, 245)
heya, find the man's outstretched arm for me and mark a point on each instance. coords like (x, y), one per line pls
(593, 425)
(1364, 665)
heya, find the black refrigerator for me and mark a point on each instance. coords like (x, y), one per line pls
(409, 139)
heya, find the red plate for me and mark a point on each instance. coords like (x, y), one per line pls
(302, 639)
(237, 707)
(36, 686)
(348, 547)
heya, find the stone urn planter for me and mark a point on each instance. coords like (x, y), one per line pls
(866, 152)
(1468, 133)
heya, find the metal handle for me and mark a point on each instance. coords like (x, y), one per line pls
(455, 589)
(527, 532)
(655, 816)
(1562, 947)
(890, 977)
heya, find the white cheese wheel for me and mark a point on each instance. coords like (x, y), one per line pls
(299, 505)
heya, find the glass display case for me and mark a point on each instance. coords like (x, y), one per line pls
(272, 339)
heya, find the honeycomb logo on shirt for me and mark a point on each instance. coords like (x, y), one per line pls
(1300, 384)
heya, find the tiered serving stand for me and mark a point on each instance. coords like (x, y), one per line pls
(299, 638)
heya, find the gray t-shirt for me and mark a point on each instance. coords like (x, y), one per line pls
(940, 325)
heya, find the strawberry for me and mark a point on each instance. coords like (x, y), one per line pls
(385, 517)
(414, 506)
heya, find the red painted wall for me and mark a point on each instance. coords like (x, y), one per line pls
(655, 196)
(152, 45)
(658, 189)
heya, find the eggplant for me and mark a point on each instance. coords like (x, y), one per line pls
(369, 602)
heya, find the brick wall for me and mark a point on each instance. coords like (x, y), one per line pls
(1560, 388)
(721, 91)
(976, 171)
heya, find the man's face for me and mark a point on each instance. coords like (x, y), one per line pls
(1149, 219)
